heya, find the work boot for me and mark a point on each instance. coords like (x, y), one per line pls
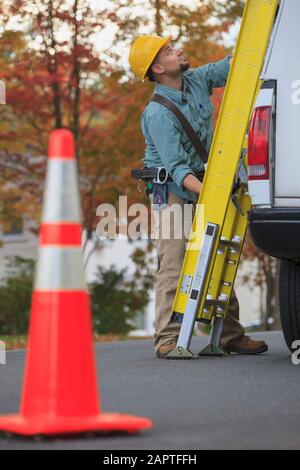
(245, 346)
(165, 348)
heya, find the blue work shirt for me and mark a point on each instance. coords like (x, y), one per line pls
(167, 144)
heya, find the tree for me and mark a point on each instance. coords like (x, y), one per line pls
(60, 80)
(56, 79)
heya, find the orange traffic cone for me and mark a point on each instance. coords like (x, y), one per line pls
(60, 388)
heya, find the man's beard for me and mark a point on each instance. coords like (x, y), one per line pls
(184, 66)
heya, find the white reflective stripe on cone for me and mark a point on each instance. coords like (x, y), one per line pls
(61, 196)
(59, 268)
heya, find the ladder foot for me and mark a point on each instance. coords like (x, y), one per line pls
(180, 353)
(212, 350)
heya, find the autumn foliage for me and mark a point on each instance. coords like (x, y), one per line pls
(59, 74)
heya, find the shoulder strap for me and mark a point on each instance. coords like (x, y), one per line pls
(185, 124)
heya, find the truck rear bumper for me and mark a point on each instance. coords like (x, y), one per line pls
(276, 232)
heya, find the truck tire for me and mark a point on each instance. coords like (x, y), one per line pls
(289, 301)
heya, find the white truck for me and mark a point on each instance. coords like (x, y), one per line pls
(274, 163)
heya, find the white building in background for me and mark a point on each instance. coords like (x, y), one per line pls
(117, 252)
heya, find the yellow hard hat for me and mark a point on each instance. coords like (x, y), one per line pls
(143, 51)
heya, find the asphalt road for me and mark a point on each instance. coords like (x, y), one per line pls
(232, 402)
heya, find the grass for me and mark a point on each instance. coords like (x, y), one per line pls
(20, 341)
(14, 341)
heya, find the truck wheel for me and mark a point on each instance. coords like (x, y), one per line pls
(289, 300)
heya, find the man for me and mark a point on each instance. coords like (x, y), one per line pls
(167, 145)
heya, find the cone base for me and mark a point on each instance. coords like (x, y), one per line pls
(104, 422)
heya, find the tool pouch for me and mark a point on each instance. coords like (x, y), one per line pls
(160, 196)
(160, 190)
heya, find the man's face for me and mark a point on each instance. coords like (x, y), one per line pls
(170, 61)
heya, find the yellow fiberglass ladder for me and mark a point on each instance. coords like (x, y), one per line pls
(220, 222)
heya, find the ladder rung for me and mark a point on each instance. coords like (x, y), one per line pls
(219, 302)
(234, 244)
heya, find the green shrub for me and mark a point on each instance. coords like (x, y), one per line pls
(116, 298)
(15, 296)
(116, 301)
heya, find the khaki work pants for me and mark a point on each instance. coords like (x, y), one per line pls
(170, 252)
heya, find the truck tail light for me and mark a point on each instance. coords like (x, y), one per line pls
(258, 144)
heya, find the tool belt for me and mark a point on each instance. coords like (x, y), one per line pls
(149, 174)
(159, 174)
(156, 180)
(156, 183)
